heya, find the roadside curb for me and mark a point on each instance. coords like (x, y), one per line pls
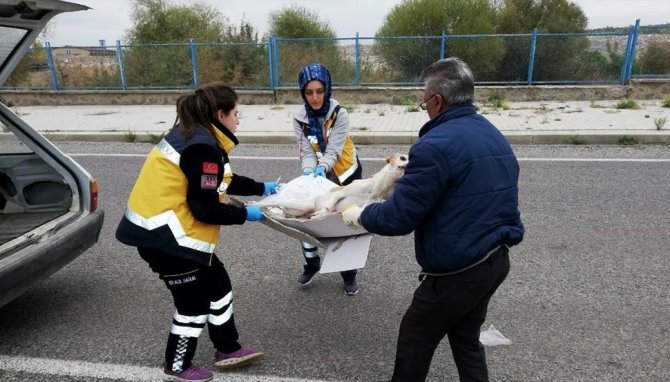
(387, 139)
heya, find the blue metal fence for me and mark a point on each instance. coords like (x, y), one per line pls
(518, 59)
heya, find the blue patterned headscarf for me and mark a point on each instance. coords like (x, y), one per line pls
(309, 73)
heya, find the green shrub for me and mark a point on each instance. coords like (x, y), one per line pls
(155, 138)
(627, 140)
(627, 104)
(576, 140)
(498, 101)
(660, 122)
(666, 102)
(130, 136)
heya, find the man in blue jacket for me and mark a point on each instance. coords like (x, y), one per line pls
(459, 195)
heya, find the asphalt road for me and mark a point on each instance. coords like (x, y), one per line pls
(588, 296)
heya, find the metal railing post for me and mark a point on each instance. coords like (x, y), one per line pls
(52, 66)
(357, 67)
(194, 63)
(276, 60)
(626, 57)
(270, 68)
(531, 59)
(443, 45)
(633, 46)
(122, 69)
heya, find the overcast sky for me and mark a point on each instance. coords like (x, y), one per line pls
(110, 19)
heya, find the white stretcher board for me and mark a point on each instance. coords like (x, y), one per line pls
(345, 247)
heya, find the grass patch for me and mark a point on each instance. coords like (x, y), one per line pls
(404, 100)
(277, 107)
(627, 104)
(660, 122)
(130, 136)
(627, 140)
(498, 101)
(155, 138)
(381, 114)
(666, 102)
(350, 107)
(576, 140)
(412, 108)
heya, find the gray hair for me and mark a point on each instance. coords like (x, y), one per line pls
(451, 78)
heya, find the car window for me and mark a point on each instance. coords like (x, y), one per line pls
(9, 39)
(10, 143)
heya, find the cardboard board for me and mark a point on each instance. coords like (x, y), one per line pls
(346, 253)
(345, 247)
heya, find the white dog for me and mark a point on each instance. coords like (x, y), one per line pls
(360, 192)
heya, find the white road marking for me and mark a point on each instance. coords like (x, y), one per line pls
(642, 160)
(83, 369)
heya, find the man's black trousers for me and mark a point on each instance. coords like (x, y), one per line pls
(454, 306)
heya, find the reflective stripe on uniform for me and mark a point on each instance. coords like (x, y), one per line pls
(216, 305)
(350, 171)
(170, 153)
(189, 326)
(169, 218)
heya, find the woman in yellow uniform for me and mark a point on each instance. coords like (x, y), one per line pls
(321, 127)
(173, 217)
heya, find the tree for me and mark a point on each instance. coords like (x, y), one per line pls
(306, 39)
(555, 56)
(655, 59)
(240, 60)
(408, 57)
(223, 52)
(156, 22)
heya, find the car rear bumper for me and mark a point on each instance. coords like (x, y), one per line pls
(33, 264)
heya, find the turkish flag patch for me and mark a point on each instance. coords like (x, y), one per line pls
(210, 168)
(208, 182)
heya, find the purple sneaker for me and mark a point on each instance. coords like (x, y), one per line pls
(192, 374)
(237, 358)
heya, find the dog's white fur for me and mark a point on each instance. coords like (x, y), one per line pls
(360, 192)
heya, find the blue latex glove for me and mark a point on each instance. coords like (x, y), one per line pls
(254, 213)
(320, 171)
(270, 188)
(308, 171)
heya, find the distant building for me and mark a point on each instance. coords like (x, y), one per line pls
(84, 56)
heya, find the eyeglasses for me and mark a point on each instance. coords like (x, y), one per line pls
(423, 105)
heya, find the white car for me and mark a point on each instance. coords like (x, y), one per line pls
(49, 211)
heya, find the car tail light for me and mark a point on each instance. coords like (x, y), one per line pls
(94, 195)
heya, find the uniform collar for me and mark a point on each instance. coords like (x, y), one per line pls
(224, 137)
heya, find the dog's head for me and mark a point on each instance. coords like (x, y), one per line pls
(398, 162)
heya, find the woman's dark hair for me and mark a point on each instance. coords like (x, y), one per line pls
(200, 107)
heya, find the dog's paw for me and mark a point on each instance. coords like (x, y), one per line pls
(351, 216)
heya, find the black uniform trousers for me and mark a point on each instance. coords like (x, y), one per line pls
(455, 306)
(201, 294)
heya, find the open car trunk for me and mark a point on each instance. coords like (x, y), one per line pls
(48, 203)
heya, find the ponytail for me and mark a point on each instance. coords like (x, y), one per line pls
(200, 108)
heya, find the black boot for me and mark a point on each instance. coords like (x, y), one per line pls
(311, 268)
(350, 284)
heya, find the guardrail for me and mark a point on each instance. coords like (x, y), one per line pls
(496, 59)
